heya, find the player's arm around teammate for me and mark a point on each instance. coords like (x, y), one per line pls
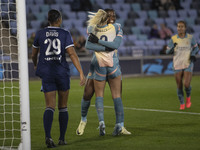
(184, 48)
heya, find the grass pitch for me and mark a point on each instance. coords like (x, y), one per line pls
(151, 110)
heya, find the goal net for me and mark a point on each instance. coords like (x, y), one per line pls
(14, 91)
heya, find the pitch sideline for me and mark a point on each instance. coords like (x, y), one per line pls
(155, 110)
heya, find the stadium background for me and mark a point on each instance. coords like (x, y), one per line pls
(139, 54)
(137, 50)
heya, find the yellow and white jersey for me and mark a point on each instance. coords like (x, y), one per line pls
(182, 51)
(106, 33)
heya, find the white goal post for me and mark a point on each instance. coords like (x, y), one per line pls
(14, 81)
(23, 74)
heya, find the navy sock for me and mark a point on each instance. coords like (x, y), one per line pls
(188, 91)
(84, 109)
(180, 96)
(47, 120)
(63, 121)
(119, 110)
(99, 108)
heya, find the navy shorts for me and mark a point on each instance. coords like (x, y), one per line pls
(58, 83)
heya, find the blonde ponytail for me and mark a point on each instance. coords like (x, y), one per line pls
(97, 19)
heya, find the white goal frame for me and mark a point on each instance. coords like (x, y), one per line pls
(23, 75)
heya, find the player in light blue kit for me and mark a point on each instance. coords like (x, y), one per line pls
(184, 48)
(53, 43)
(89, 86)
(106, 66)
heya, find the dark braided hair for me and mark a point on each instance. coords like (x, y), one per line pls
(53, 16)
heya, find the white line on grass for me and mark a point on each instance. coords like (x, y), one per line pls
(154, 110)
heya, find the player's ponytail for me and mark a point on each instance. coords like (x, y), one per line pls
(97, 19)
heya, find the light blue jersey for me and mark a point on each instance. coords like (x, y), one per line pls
(105, 63)
(185, 48)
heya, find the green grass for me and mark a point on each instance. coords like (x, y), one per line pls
(151, 130)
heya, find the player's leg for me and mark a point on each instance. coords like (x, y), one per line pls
(179, 83)
(188, 88)
(50, 99)
(85, 104)
(87, 96)
(115, 86)
(63, 115)
(99, 87)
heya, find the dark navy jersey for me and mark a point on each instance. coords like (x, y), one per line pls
(52, 43)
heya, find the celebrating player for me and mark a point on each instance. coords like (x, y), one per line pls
(89, 86)
(52, 43)
(184, 48)
(107, 69)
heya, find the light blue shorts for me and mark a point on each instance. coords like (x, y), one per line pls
(189, 69)
(91, 72)
(103, 73)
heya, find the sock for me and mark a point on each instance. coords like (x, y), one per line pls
(188, 91)
(99, 108)
(119, 111)
(47, 121)
(63, 121)
(180, 95)
(84, 109)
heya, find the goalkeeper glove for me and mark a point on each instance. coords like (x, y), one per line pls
(109, 49)
(172, 50)
(175, 45)
(93, 38)
(192, 59)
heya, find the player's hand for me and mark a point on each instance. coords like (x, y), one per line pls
(109, 49)
(35, 67)
(82, 79)
(175, 45)
(93, 38)
(193, 59)
(172, 50)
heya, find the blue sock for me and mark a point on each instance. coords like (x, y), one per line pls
(99, 108)
(180, 96)
(119, 110)
(188, 91)
(63, 121)
(84, 109)
(47, 120)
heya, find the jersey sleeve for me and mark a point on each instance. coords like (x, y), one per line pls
(69, 41)
(94, 47)
(170, 46)
(89, 30)
(118, 29)
(115, 44)
(195, 48)
(36, 40)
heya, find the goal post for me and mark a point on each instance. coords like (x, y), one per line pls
(14, 81)
(23, 74)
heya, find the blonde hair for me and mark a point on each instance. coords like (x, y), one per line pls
(97, 19)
